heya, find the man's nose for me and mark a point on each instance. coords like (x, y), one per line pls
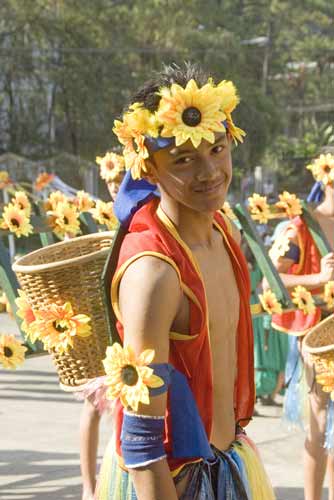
(207, 170)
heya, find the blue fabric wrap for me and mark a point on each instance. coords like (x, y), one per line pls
(142, 440)
(293, 404)
(293, 253)
(164, 371)
(140, 437)
(317, 193)
(188, 433)
(329, 441)
(132, 195)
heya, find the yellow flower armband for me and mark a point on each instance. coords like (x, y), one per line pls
(129, 377)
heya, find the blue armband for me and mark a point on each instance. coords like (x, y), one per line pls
(143, 435)
(142, 440)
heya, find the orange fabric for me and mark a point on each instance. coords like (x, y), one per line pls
(297, 322)
(147, 233)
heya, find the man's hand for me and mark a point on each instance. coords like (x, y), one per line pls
(327, 268)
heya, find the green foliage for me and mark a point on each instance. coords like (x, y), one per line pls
(69, 67)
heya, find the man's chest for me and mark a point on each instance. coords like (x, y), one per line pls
(221, 289)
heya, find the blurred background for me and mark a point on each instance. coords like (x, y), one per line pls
(68, 67)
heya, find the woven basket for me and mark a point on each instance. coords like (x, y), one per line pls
(71, 271)
(320, 339)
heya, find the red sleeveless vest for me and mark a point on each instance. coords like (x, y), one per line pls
(151, 233)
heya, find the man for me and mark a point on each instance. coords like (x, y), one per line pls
(182, 289)
(302, 265)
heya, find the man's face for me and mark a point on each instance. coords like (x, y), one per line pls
(197, 178)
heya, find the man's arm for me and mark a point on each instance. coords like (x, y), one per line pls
(149, 298)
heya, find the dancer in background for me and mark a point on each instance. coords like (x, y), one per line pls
(302, 265)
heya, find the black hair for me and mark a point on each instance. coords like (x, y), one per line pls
(147, 94)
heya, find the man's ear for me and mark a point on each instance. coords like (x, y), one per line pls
(152, 174)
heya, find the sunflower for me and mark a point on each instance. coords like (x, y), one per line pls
(280, 247)
(270, 303)
(303, 299)
(54, 198)
(26, 313)
(128, 376)
(190, 113)
(16, 221)
(103, 214)
(65, 220)
(43, 180)
(323, 168)
(111, 165)
(4, 179)
(326, 379)
(290, 204)
(83, 201)
(11, 352)
(329, 294)
(227, 210)
(259, 208)
(21, 201)
(135, 152)
(57, 325)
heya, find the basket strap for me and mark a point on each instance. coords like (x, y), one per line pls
(107, 276)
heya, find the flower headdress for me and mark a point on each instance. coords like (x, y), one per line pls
(323, 169)
(191, 113)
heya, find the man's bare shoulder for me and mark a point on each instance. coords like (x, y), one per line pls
(150, 284)
(149, 298)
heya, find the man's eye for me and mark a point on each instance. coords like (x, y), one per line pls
(218, 149)
(183, 160)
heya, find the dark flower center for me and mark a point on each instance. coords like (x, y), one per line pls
(327, 169)
(8, 352)
(259, 207)
(58, 327)
(15, 222)
(106, 216)
(304, 302)
(191, 116)
(66, 220)
(129, 375)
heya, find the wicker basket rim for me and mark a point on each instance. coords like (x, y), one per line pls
(20, 267)
(312, 332)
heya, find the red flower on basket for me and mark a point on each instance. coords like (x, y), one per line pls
(11, 352)
(58, 325)
(43, 180)
(26, 313)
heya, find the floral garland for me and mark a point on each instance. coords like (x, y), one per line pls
(301, 297)
(191, 113)
(287, 206)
